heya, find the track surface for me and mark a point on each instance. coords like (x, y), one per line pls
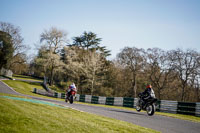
(157, 122)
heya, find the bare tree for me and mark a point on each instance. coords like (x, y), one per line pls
(195, 80)
(54, 39)
(159, 69)
(185, 63)
(133, 59)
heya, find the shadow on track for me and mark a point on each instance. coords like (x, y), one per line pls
(128, 112)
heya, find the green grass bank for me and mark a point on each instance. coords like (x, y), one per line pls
(22, 117)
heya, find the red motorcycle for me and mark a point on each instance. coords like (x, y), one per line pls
(70, 96)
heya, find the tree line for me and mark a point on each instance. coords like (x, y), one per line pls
(174, 74)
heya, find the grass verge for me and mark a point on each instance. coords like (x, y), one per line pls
(26, 78)
(26, 88)
(22, 117)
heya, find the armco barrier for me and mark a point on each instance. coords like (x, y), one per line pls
(128, 102)
(162, 106)
(158, 106)
(186, 108)
(56, 94)
(118, 101)
(102, 100)
(109, 100)
(82, 98)
(88, 98)
(95, 100)
(63, 95)
(197, 112)
(168, 106)
(77, 97)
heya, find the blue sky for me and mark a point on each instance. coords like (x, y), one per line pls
(166, 24)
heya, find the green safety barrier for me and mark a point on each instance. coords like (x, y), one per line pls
(158, 105)
(109, 100)
(82, 98)
(63, 95)
(55, 94)
(186, 108)
(128, 102)
(95, 99)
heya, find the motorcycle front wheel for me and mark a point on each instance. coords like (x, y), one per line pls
(71, 99)
(150, 109)
(138, 108)
(66, 100)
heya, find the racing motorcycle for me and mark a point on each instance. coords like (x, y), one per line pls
(149, 105)
(70, 96)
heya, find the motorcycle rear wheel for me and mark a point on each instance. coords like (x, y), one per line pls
(150, 109)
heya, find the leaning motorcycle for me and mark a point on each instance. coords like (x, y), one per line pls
(149, 105)
(70, 96)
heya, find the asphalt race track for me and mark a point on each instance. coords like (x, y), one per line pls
(157, 122)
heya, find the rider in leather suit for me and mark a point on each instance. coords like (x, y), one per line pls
(71, 87)
(148, 93)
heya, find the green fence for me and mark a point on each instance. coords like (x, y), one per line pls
(55, 94)
(95, 99)
(63, 95)
(128, 102)
(109, 100)
(186, 108)
(82, 98)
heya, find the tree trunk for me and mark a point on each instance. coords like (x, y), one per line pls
(134, 85)
(183, 93)
(197, 94)
(135, 89)
(93, 78)
(51, 78)
(159, 93)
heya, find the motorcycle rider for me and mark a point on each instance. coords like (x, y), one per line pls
(71, 87)
(148, 93)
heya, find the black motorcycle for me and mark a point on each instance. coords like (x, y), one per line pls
(147, 105)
